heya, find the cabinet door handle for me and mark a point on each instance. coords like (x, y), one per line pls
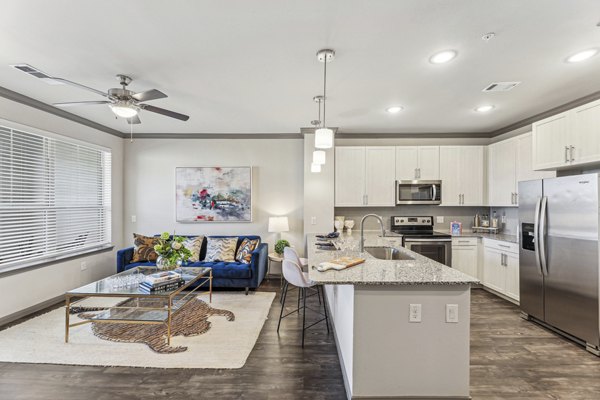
(504, 245)
(419, 169)
(566, 154)
(366, 199)
(572, 158)
(516, 198)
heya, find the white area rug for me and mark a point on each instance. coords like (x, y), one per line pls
(226, 345)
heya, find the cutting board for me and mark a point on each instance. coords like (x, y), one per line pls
(340, 263)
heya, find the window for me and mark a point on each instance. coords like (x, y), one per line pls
(55, 198)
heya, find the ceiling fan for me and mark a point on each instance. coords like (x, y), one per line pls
(123, 102)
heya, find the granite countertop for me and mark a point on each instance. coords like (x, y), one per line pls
(503, 237)
(420, 271)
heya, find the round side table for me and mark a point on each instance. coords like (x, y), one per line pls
(274, 257)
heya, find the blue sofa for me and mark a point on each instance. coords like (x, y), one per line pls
(225, 274)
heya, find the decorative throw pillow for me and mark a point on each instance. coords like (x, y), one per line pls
(244, 253)
(194, 244)
(144, 248)
(221, 249)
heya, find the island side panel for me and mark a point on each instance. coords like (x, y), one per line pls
(340, 299)
(397, 358)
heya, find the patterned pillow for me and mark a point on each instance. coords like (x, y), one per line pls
(194, 244)
(244, 253)
(221, 249)
(144, 248)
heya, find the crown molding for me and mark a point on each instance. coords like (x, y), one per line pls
(28, 101)
(227, 136)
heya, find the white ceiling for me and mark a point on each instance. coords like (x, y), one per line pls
(250, 66)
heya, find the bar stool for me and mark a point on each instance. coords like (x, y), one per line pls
(293, 274)
(290, 254)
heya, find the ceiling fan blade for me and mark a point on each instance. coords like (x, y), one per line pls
(134, 120)
(167, 113)
(80, 103)
(148, 95)
(79, 85)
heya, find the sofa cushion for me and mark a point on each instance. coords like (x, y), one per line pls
(244, 253)
(231, 270)
(221, 249)
(144, 248)
(141, 264)
(194, 244)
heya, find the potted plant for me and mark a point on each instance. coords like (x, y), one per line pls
(171, 251)
(280, 245)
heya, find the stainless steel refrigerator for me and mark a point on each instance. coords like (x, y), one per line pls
(559, 255)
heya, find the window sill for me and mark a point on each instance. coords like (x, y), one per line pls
(29, 265)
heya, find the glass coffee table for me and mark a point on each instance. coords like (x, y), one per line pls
(142, 308)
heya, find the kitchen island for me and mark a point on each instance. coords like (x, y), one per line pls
(390, 323)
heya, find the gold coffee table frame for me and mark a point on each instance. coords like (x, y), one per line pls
(174, 301)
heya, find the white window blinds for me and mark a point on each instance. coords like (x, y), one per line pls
(55, 198)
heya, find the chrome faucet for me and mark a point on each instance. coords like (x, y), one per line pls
(362, 229)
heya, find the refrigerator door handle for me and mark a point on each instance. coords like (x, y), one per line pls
(542, 235)
(536, 236)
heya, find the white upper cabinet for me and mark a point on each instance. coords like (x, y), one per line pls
(525, 171)
(349, 176)
(462, 174)
(364, 176)
(380, 176)
(502, 169)
(568, 139)
(417, 162)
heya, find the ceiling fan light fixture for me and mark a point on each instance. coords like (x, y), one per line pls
(124, 110)
(324, 138)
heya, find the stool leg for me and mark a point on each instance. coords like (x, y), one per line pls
(319, 294)
(299, 297)
(324, 307)
(303, 314)
(283, 295)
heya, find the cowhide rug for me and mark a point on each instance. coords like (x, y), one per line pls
(191, 320)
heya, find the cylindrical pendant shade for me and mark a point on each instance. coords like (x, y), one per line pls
(323, 138)
(318, 157)
(315, 167)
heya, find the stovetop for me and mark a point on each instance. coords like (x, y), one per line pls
(415, 226)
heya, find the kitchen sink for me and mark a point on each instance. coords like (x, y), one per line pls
(387, 253)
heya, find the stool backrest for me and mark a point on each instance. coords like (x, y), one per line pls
(290, 254)
(292, 272)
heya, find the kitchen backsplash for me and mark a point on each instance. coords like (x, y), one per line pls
(461, 214)
(512, 219)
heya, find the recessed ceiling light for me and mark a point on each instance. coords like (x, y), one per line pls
(485, 108)
(394, 109)
(582, 55)
(443, 57)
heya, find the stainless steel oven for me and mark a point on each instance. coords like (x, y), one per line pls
(418, 192)
(438, 249)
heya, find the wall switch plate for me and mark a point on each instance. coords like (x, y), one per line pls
(414, 313)
(83, 265)
(133, 218)
(313, 220)
(439, 219)
(452, 313)
(503, 218)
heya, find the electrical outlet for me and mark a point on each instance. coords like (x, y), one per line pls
(83, 265)
(503, 218)
(313, 220)
(452, 313)
(133, 218)
(414, 313)
(439, 219)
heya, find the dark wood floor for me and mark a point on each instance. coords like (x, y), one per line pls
(510, 359)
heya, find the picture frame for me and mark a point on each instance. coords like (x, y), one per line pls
(213, 194)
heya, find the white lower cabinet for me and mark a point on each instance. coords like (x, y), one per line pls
(465, 255)
(501, 267)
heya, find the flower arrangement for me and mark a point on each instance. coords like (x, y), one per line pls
(280, 245)
(171, 251)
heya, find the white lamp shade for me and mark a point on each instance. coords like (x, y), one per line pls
(278, 224)
(123, 111)
(318, 157)
(315, 168)
(324, 138)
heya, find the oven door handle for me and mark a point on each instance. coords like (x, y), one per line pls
(427, 240)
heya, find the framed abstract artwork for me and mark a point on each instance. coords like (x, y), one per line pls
(213, 194)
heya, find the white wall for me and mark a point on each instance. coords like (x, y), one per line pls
(318, 190)
(277, 184)
(25, 289)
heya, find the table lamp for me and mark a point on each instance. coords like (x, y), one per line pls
(278, 225)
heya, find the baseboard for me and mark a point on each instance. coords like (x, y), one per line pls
(30, 310)
(412, 398)
(503, 296)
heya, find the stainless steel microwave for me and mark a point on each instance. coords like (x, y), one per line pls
(418, 192)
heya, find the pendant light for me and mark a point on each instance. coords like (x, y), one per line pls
(324, 135)
(315, 168)
(319, 156)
